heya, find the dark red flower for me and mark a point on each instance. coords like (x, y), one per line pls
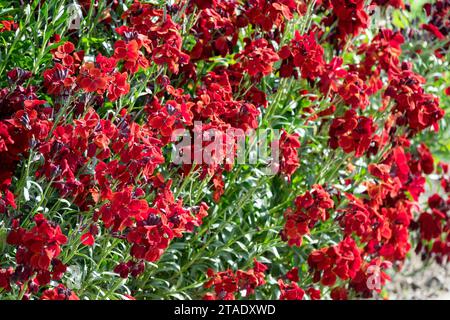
(352, 133)
(59, 293)
(258, 58)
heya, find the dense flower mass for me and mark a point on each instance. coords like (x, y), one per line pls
(279, 149)
(310, 208)
(228, 283)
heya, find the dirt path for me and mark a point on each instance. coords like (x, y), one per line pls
(417, 281)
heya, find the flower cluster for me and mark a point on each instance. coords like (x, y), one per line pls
(291, 289)
(310, 208)
(228, 283)
(352, 133)
(37, 252)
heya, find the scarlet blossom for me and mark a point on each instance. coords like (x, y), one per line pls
(12, 101)
(59, 293)
(359, 219)
(156, 226)
(130, 53)
(215, 101)
(342, 260)
(351, 16)
(228, 283)
(123, 210)
(289, 145)
(354, 92)
(224, 283)
(415, 108)
(219, 186)
(58, 80)
(62, 54)
(305, 53)
(434, 30)
(352, 133)
(91, 79)
(118, 86)
(157, 32)
(269, 14)
(106, 64)
(310, 208)
(314, 294)
(371, 278)
(382, 53)
(18, 75)
(216, 30)
(293, 275)
(175, 114)
(8, 25)
(5, 278)
(333, 72)
(87, 239)
(131, 267)
(38, 249)
(339, 293)
(431, 224)
(257, 58)
(290, 291)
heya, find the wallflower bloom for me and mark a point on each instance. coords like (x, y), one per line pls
(227, 283)
(354, 92)
(305, 53)
(38, 250)
(310, 208)
(258, 58)
(342, 260)
(289, 145)
(414, 107)
(59, 293)
(352, 133)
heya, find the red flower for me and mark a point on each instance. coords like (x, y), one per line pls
(59, 293)
(431, 224)
(371, 278)
(131, 267)
(8, 25)
(118, 86)
(38, 248)
(381, 54)
(333, 71)
(130, 53)
(351, 17)
(413, 106)
(353, 92)
(290, 291)
(339, 293)
(62, 54)
(306, 54)
(226, 284)
(91, 79)
(268, 14)
(58, 80)
(342, 260)
(434, 30)
(5, 278)
(352, 133)
(289, 145)
(293, 275)
(257, 58)
(310, 208)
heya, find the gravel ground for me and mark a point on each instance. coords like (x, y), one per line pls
(419, 282)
